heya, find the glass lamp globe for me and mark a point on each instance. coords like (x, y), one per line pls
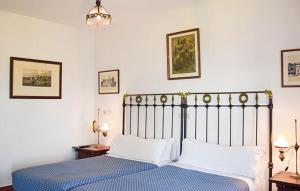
(281, 143)
(105, 129)
(98, 16)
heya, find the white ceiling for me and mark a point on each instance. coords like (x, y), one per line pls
(73, 12)
(70, 12)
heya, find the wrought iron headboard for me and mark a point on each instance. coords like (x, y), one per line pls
(229, 100)
(185, 101)
(151, 103)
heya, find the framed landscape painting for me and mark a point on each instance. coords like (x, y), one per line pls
(183, 52)
(290, 68)
(109, 82)
(35, 79)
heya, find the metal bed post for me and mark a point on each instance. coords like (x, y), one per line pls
(183, 117)
(123, 121)
(270, 95)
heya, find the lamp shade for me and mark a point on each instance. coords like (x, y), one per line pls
(281, 143)
(105, 128)
(98, 16)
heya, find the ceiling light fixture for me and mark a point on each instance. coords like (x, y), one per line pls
(98, 16)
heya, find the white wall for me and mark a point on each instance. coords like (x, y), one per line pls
(42, 131)
(240, 50)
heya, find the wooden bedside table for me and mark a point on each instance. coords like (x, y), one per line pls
(90, 151)
(284, 182)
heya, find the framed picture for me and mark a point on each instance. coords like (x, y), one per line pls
(109, 82)
(35, 79)
(290, 68)
(183, 51)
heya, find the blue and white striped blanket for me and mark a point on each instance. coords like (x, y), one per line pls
(168, 178)
(67, 175)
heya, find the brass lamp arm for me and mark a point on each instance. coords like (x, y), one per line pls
(95, 127)
(296, 147)
(283, 151)
(287, 150)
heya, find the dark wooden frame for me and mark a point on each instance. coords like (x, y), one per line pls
(12, 59)
(282, 80)
(6, 188)
(197, 30)
(87, 151)
(284, 182)
(118, 71)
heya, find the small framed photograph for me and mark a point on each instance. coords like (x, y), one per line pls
(183, 52)
(109, 82)
(290, 68)
(35, 79)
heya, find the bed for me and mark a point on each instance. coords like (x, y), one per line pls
(169, 178)
(155, 146)
(220, 163)
(201, 119)
(67, 175)
(195, 171)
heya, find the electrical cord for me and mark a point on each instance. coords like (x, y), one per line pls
(289, 161)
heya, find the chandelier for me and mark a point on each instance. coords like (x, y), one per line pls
(98, 16)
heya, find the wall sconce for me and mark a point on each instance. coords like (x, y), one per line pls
(283, 147)
(105, 129)
(97, 129)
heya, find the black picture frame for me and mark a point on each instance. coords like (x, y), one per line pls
(13, 92)
(284, 65)
(110, 81)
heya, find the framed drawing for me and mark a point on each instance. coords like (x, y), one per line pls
(35, 79)
(109, 82)
(183, 52)
(290, 68)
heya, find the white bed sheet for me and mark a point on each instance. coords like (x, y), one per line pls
(162, 163)
(249, 181)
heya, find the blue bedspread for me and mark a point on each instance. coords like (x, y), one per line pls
(168, 178)
(67, 175)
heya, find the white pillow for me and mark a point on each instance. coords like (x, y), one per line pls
(167, 153)
(127, 146)
(262, 173)
(233, 160)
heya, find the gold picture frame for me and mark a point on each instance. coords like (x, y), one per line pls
(183, 54)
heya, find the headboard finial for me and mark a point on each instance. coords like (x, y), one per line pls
(269, 93)
(125, 96)
(184, 95)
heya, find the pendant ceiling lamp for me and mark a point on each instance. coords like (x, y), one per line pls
(98, 16)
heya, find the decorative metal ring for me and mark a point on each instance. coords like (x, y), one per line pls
(138, 99)
(243, 98)
(163, 99)
(207, 98)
